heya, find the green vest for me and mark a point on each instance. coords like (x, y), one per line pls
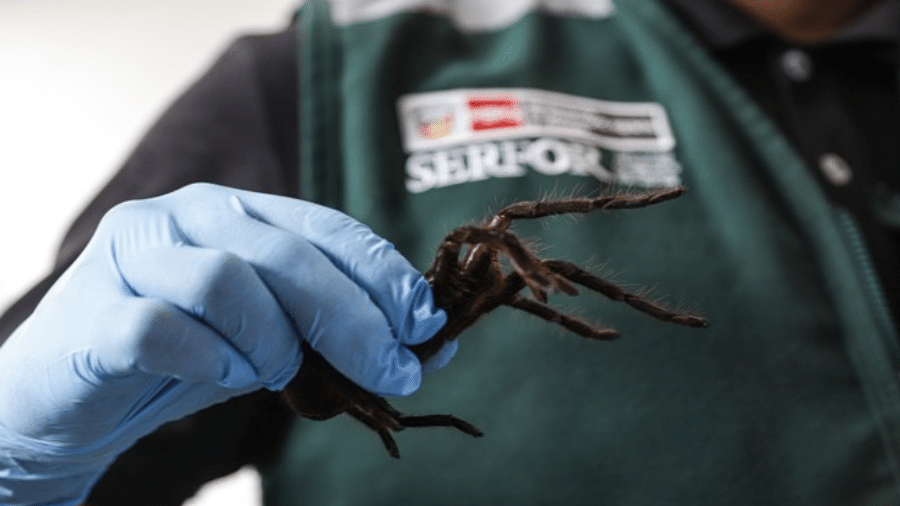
(421, 120)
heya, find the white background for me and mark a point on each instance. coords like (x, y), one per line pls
(80, 81)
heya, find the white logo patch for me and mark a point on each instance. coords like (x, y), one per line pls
(466, 135)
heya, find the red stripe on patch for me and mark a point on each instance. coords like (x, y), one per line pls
(480, 125)
(476, 103)
(493, 113)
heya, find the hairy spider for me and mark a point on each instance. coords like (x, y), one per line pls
(470, 285)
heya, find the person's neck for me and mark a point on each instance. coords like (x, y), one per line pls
(804, 20)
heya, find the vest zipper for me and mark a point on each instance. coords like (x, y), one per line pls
(860, 252)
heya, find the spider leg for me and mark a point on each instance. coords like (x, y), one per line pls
(396, 422)
(376, 424)
(532, 210)
(571, 323)
(578, 275)
(440, 421)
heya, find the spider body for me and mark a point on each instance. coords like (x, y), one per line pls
(468, 281)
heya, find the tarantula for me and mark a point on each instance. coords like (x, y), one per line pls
(470, 285)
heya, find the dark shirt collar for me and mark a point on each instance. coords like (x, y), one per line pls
(721, 26)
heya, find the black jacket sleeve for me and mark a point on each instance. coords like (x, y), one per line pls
(236, 126)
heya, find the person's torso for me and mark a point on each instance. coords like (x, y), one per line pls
(417, 121)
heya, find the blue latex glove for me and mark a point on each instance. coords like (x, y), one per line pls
(183, 301)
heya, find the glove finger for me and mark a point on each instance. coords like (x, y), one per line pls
(152, 336)
(440, 359)
(371, 262)
(335, 315)
(237, 311)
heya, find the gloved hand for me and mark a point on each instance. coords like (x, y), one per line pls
(184, 301)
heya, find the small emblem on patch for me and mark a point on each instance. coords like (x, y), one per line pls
(434, 121)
